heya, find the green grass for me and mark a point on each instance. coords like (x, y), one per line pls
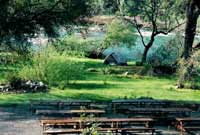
(97, 86)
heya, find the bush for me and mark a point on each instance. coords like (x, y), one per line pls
(120, 32)
(169, 53)
(74, 46)
(189, 72)
(52, 68)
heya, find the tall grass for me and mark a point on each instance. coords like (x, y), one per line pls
(52, 68)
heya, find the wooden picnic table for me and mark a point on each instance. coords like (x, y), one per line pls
(104, 124)
(123, 122)
(42, 104)
(170, 110)
(161, 112)
(123, 131)
(71, 112)
(188, 124)
(140, 103)
(113, 122)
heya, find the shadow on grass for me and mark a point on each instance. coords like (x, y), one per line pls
(90, 86)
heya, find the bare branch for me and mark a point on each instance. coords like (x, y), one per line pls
(139, 31)
(170, 30)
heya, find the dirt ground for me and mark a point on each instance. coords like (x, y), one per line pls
(19, 121)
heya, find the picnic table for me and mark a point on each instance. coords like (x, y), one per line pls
(141, 103)
(104, 124)
(122, 122)
(42, 104)
(161, 112)
(122, 131)
(188, 124)
(60, 122)
(71, 113)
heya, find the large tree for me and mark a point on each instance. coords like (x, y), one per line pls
(161, 15)
(22, 19)
(192, 14)
(188, 65)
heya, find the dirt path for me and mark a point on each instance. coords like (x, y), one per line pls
(18, 122)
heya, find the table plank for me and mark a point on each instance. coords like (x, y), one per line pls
(188, 119)
(69, 111)
(99, 120)
(160, 109)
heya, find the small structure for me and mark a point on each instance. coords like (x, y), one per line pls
(95, 54)
(115, 59)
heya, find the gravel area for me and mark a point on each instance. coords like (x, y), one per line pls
(18, 122)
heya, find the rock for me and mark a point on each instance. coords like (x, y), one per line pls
(126, 73)
(24, 87)
(92, 70)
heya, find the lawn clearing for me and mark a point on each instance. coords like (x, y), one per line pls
(97, 86)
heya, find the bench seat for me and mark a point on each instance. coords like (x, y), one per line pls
(119, 130)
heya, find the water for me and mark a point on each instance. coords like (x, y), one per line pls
(133, 53)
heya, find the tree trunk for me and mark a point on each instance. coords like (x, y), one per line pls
(191, 25)
(144, 56)
(146, 49)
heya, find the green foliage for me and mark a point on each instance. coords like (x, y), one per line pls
(168, 11)
(52, 68)
(107, 7)
(75, 46)
(91, 88)
(189, 72)
(146, 70)
(169, 53)
(26, 18)
(120, 32)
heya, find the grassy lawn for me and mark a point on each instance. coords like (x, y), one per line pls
(97, 86)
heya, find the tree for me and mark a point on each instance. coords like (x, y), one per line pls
(119, 32)
(105, 6)
(23, 19)
(188, 64)
(161, 15)
(192, 14)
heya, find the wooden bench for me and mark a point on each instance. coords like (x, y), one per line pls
(122, 122)
(140, 103)
(62, 131)
(188, 124)
(74, 123)
(103, 123)
(161, 112)
(123, 131)
(37, 105)
(71, 113)
(155, 104)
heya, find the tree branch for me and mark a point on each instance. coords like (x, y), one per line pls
(170, 30)
(139, 31)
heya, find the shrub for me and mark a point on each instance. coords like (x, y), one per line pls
(189, 72)
(52, 68)
(146, 70)
(74, 46)
(119, 32)
(169, 53)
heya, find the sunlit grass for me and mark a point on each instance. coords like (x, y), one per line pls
(97, 86)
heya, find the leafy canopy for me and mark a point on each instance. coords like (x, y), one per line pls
(119, 32)
(26, 18)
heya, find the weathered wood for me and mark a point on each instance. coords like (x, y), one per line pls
(188, 124)
(118, 130)
(34, 105)
(70, 112)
